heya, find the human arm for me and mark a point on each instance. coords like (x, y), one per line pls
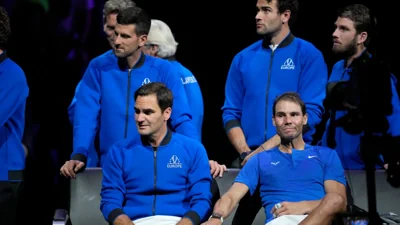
(86, 113)
(312, 89)
(247, 180)
(199, 183)
(71, 107)
(113, 188)
(13, 92)
(181, 117)
(232, 109)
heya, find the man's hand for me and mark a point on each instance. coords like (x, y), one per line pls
(217, 169)
(247, 158)
(123, 220)
(185, 221)
(268, 145)
(71, 167)
(290, 208)
(212, 221)
(25, 150)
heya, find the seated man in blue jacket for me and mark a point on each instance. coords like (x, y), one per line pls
(159, 178)
(298, 183)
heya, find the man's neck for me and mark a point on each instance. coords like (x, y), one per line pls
(287, 146)
(156, 138)
(359, 50)
(1, 51)
(280, 36)
(134, 58)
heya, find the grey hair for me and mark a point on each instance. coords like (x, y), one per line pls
(160, 34)
(115, 6)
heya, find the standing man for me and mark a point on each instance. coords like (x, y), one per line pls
(161, 43)
(110, 12)
(361, 76)
(104, 98)
(278, 63)
(13, 94)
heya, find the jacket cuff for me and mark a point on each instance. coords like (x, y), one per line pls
(114, 214)
(231, 124)
(193, 216)
(79, 157)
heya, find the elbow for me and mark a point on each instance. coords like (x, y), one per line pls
(336, 202)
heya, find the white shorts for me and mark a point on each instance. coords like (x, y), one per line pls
(157, 220)
(287, 220)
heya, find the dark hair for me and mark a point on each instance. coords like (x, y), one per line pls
(115, 6)
(163, 94)
(135, 16)
(362, 18)
(5, 29)
(291, 97)
(291, 5)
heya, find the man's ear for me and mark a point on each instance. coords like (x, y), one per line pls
(305, 119)
(167, 113)
(142, 40)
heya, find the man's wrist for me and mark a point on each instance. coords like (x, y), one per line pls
(244, 154)
(185, 221)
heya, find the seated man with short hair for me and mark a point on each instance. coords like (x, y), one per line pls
(298, 182)
(161, 178)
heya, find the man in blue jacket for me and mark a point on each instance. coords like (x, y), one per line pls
(278, 63)
(104, 98)
(159, 178)
(161, 43)
(359, 69)
(110, 12)
(13, 94)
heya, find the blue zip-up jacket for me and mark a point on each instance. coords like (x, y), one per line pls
(92, 157)
(193, 95)
(348, 145)
(105, 101)
(140, 180)
(13, 93)
(258, 75)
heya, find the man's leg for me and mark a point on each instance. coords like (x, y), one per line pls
(8, 202)
(247, 209)
(158, 220)
(330, 205)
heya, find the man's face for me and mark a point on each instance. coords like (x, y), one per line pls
(344, 37)
(109, 27)
(126, 41)
(148, 115)
(268, 19)
(289, 120)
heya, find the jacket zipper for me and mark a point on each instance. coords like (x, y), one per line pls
(128, 95)
(155, 180)
(267, 93)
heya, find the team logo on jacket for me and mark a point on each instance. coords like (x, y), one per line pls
(189, 80)
(288, 65)
(146, 81)
(174, 162)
